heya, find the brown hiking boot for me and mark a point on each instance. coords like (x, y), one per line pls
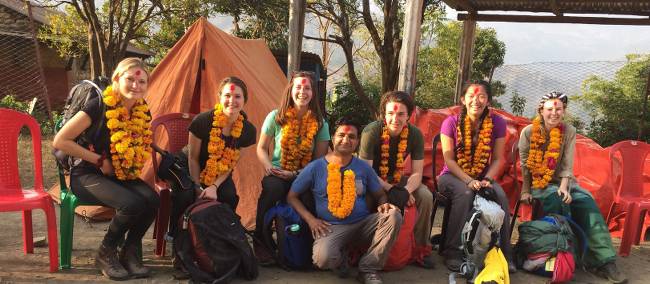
(106, 261)
(131, 261)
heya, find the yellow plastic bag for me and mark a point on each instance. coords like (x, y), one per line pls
(496, 268)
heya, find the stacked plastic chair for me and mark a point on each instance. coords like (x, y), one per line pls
(13, 197)
(629, 194)
(176, 126)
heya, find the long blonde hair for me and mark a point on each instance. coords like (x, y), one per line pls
(123, 66)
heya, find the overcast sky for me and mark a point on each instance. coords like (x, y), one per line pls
(537, 42)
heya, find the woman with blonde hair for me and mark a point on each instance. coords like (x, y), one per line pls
(110, 166)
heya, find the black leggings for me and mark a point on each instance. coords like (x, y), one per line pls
(134, 201)
(274, 190)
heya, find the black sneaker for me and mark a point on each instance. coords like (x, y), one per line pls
(610, 272)
(453, 263)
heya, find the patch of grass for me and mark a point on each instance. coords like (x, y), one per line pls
(26, 161)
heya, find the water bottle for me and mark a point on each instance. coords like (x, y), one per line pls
(293, 229)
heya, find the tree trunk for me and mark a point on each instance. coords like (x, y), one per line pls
(354, 80)
(94, 63)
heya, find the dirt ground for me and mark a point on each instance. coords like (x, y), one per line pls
(15, 267)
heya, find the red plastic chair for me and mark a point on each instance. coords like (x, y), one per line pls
(176, 125)
(13, 197)
(629, 191)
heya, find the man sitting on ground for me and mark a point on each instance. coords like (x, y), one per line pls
(339, 182)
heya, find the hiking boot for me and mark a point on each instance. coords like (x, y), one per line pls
(106, 261)
(427, 262)
(453, 263)
(610, 272)
(132, 263)
(369, 278)
(264, 257)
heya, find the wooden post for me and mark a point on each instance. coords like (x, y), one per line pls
(410, 45)
(296, 30)
(465, 57)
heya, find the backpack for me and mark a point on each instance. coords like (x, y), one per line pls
(293, 249)
(77, 99)
(212, 245)
(480, 233)
(546, 247)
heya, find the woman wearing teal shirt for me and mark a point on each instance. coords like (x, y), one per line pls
(299, 134)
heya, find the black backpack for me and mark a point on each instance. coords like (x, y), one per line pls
(212, 245)
(77, 99)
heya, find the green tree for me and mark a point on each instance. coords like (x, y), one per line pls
(108, 28)
(517, 104)
(267, 19)
(618, 105)
(438, 64)
(342, 102)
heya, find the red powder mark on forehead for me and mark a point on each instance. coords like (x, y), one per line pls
(555, 103)
(232, 87)
(395, 107)
(303, 81)
(137, 72)
(474, 90)
(346, 128)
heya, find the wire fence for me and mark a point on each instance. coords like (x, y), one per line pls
(530, 81)
(21, 75)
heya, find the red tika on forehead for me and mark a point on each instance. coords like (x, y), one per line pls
(232, 87)
(474, 90)
(395, 107)
(137, 72)
(346, 128)
(555, 103)
(303, 81)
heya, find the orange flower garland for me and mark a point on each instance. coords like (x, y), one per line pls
(221, 158)
(130, 135)
(340, 200)
(542, 163)
(473, 165)
(399, 160)
(297, 140)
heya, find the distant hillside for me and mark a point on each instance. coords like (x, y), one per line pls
(535, 79)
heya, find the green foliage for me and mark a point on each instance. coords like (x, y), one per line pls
(253, 19)
(12, 103)
(517, 104)
(66, 33)
(618, 105)
(343, 102)
(438, 64)
(47, 126)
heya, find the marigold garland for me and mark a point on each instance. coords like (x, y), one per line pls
(399, 160)
(221, 158)
(130, 135)
(340, 199)
(474, 163)
(297, 139)
(542, 163)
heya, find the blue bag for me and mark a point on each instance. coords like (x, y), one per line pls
(293, 249)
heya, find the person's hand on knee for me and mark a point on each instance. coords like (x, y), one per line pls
(319, 228)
